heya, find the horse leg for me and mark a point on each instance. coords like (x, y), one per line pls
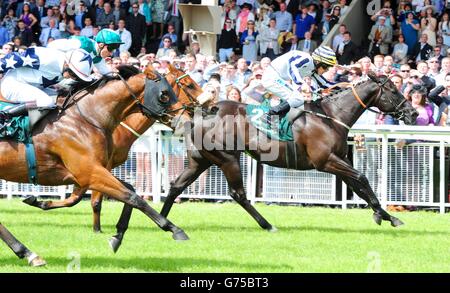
(45, 205)
(232, 171)
(122, 225)
(102, 180)
(359, 184)
(96, 204)
(19, 249)
(197, 165)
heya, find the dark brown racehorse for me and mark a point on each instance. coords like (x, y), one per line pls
(75, 146)
(189, 94)
(320, 143)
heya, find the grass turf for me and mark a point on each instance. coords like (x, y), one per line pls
(225, 239)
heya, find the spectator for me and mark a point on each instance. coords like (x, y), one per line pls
(233, 94)
(105, 16)
(418, 101)
(125, 36)
(365, 65)
(157, 9)
(335, 15)
(80, 15)
(88, 29)
(307, 45)
(400, 52)
(174, 15)
(387, 13)
(303, 23)
(410, 28)
(444, 29)
(337, 39)
(265, 62)
(268, 40)
(437, 52)
(248, 41)
(7, 48)
(4, 35)
(354, 74)
(283, 18)
(136, 25)
(428, 82)
(324, 26)
(10, 23)
(164, 51)
(378, 62)
(245, 16)
(347, 51)
(172, 35)
(263, 18)
(422, 50)
(125, 57)
(118, 12)
(290, 43)
(46, 19)
(190, 68)
(49, 32)
(381, 37)
(445, 69)
(433, 67)
(242, 73)
(425, 29)
(404, 72)
(344, 6)
(227, 42)
(25, 35)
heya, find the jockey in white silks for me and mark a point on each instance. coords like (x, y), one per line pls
(295, 66)
(28, 77)
(104, 45)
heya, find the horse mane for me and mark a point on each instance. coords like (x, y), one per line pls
(126, 71)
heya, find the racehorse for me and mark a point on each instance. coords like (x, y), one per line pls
(320, 137)
(74, 146)
(189, 94)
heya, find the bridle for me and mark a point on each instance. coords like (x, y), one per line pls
(396, 112)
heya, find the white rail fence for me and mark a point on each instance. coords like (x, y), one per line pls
(416, 175)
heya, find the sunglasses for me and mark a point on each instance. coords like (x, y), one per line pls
(405, 70)
(112, 47)
(433, 61)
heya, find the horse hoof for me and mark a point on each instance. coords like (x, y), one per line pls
(114, 243)
(377, 218)
(396, 222)
(37, 262)
(273, 229)
(30, 200)
(180, 235)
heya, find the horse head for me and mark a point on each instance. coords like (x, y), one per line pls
(390, 101)
(190, 95)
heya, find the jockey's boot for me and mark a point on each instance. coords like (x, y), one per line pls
(14, 111)
(280, 109)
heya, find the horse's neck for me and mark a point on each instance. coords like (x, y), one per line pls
(139, 124)
(106, 105)
(346, 107)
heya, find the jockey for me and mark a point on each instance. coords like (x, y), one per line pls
(27, 77)
(104, 45)
(295, 66)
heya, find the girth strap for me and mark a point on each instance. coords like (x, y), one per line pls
(291, 155)
(31, 162)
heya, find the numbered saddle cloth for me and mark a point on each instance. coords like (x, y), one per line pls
(269, 125)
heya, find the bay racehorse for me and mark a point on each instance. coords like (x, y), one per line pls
(190, 95)
(320, 142)
(74, 146)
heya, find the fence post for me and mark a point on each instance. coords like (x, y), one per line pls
(441, 177)
(344, 194)
(156, 194)
(384, 174)
(251, 179)
(9, 190)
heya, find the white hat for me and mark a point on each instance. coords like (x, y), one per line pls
(381, 17)
(80, 62)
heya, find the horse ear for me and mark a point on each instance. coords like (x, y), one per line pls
(150, 72)
(172, 69)
(372, 76)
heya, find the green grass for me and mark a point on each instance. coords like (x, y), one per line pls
(225, 239)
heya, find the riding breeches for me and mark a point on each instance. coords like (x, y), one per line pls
(17, 91)
(273, 82)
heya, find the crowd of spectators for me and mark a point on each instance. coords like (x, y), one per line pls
(409, 41)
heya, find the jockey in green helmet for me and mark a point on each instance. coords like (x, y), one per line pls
(102, 47)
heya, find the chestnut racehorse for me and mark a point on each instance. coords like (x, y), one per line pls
(189, 93)
(75, 146)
